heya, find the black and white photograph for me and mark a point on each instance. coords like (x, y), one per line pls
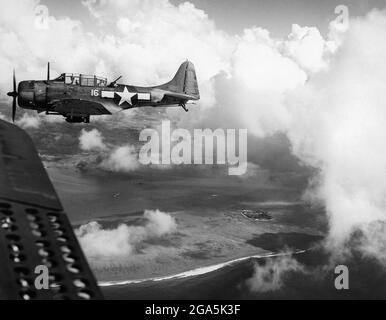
(202, 153)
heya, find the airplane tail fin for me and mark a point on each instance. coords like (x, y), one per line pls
(185, 81)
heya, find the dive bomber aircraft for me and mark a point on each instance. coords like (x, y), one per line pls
(79, 96)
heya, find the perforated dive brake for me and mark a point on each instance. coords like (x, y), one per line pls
(35, 233)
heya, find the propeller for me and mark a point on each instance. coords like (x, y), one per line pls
(14, 95)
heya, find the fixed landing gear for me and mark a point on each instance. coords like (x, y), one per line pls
(78, 119)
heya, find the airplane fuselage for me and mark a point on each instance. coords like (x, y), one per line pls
(78, 96)
(79, 102)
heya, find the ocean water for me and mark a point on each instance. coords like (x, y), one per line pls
(367, 280)
(212, 200)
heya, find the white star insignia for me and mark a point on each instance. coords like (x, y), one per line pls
(126, 96)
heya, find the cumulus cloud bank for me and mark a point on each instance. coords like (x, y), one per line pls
(123, 240)
(337, 125)
(330, 107)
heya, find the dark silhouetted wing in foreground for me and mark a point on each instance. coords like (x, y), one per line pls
(34, 230)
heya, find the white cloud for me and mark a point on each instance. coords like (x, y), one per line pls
(91, 140)
(28, 48)
(28, 121)
(123, 240)
(112, 158)
(338, 124)
(121, 159)
(373, 241)
(307, 47)
(3, 117)
(271, 275)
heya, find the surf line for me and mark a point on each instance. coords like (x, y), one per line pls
(198, 271)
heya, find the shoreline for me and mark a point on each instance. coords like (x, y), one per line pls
(197, 271)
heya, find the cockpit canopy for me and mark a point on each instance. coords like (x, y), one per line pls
(82, 80)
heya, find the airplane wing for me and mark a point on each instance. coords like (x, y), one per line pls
(34, 230)
(78, 107)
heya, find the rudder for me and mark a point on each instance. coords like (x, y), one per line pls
(185, 81)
